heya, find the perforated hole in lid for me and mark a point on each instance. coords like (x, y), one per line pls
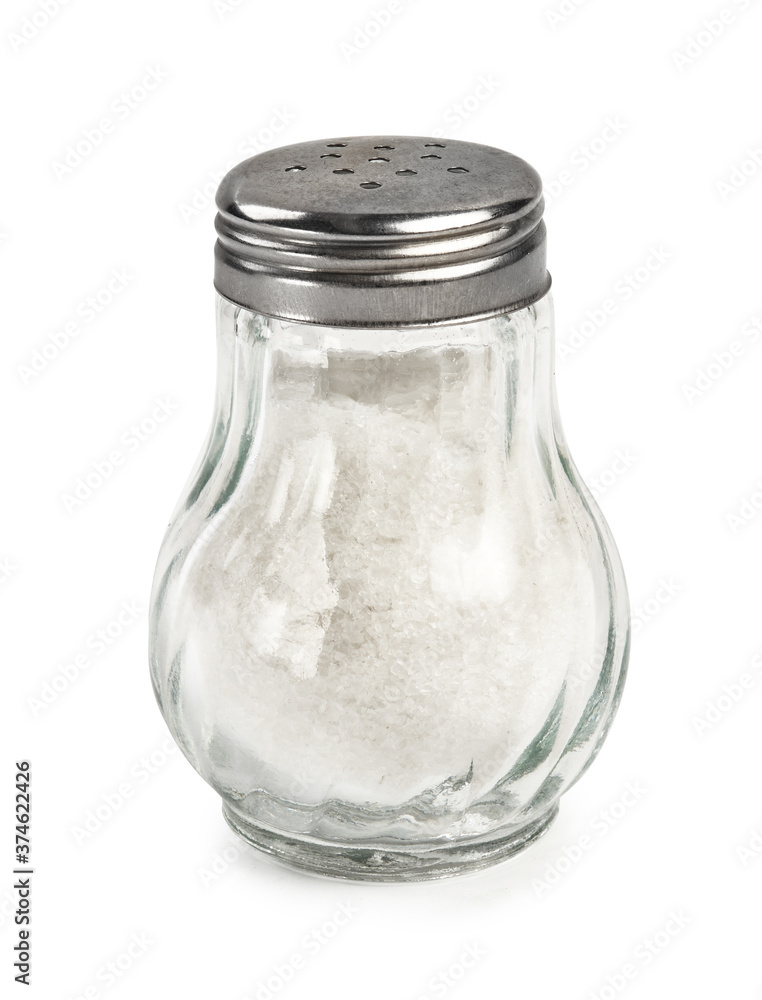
(387, 208)
(356, 152)
(410, 174)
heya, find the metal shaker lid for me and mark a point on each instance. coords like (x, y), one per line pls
(381, 231)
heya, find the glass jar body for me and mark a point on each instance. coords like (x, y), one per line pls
(389, 624)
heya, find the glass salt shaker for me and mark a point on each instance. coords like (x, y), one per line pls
(389, 624)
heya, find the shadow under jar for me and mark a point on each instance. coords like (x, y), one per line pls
(389, 624)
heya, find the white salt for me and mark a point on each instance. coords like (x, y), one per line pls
(392, 597)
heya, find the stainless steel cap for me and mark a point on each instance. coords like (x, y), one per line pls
(381, 231)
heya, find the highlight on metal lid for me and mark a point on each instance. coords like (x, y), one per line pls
(381, 231)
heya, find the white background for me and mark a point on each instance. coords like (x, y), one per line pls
(557, 921)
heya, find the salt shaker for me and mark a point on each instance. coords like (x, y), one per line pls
(389, 624)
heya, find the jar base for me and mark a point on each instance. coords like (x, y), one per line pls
(384, 863)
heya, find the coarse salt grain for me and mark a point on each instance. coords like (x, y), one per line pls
(374, 600)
